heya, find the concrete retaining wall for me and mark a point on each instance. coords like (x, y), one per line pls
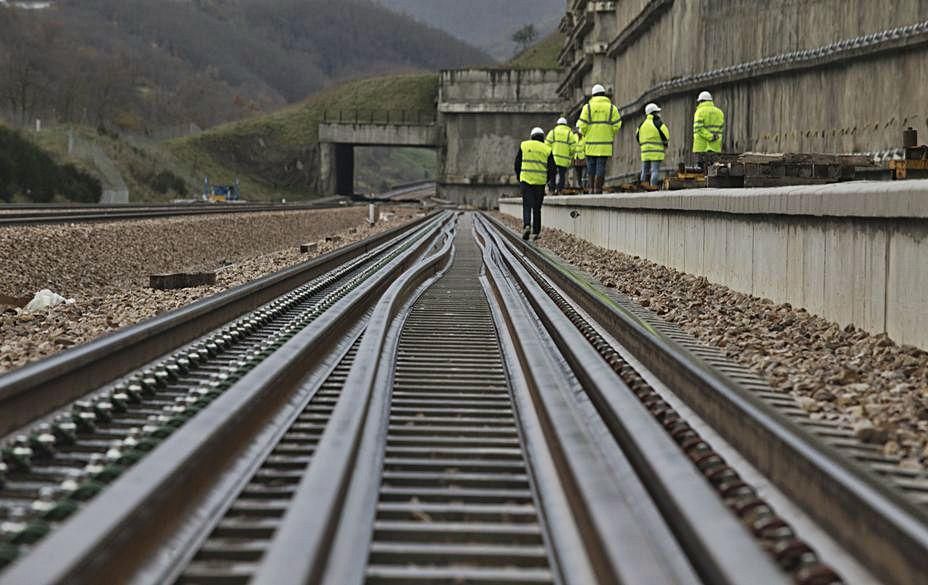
(485, 114)
(858, 104)
(853, 253)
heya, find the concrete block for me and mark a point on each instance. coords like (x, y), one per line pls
(694, 243)
(740, 255)
(716, 249)
(812, 240)
(677, 242)
(770, 264)
(181, 280)
(907, 315)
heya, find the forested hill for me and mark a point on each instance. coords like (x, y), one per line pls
(144, 64)
(488, 24)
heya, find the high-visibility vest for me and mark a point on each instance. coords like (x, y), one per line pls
(708, 121)
(651, 141)
(580, 149)
(535, 157)
(562, 139)
(600, 122)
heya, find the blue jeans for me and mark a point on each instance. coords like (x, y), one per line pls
(596, 165)
(651, 169)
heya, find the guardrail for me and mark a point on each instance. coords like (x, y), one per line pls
(394, 117)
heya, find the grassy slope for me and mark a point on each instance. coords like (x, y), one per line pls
(541, 56)
(295, 127)
(131, 161)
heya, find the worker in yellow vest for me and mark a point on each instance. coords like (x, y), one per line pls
(599, 123)
(653, 136)
(708, 128)
(535, 168)
(562, 141)
(580, 160)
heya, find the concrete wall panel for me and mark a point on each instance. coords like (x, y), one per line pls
(870, 272)
(907, 286)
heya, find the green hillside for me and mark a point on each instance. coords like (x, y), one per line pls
(541, 56)
(274, 155)
(140, 65)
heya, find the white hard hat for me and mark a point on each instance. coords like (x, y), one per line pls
(537, 132)
(651, 109)
(597, 89)
(705, 97)
(562, 121)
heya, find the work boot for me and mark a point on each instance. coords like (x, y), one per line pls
(526, 232)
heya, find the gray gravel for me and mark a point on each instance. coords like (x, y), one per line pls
(77, 258)
(866, 381)
(109, 281)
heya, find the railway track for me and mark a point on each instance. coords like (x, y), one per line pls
(46, 215)
(443, 404)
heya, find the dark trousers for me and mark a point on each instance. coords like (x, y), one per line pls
(580, 169)
(533, 196)
(562, 177)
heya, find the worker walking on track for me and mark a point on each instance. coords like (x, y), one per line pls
(535, 168)
(599, 123)
(708, 128)
(580, 160)
(653, 136)
(562, 141)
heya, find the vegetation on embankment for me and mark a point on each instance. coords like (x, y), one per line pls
(28, 173)
(276, 155)
(137, 65)
(542, 55)
(150, 172)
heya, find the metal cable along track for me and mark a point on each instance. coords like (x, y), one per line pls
(51, 471)
(430, 421)
(237, 543)
(456, 503)
(19, 218)
(840, 495)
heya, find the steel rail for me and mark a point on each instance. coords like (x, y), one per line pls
(307, 539)
(874, 523)
(39, 388)
(630, 545)
(716, 543)
(113, 536)
(84, 215)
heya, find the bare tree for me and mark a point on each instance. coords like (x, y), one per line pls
(525, 36)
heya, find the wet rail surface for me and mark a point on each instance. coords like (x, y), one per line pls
(49, 215)
(452, 408)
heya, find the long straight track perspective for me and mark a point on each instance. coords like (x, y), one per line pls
(445, 405)
(456, 502)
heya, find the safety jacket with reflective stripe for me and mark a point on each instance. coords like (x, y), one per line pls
(708, 122)
(580, 148)
(599, 122)
(535, 157)
(562, 140)
(651, 141)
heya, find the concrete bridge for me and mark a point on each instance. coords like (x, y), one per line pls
(340, 133)
(482, 116)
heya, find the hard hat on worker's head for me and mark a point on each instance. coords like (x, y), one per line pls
(598, 89)
(705, 97)
(651, 109)
(538, 132)
(561, 121)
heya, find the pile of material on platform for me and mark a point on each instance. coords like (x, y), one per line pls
(753, 169)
